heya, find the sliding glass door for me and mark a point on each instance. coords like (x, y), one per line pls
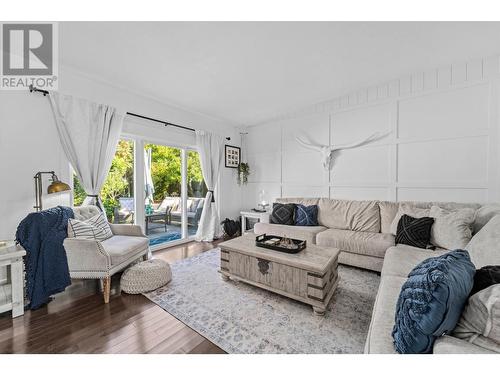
(157, 186)
(197, 190)
(174, 191)
(163, 193)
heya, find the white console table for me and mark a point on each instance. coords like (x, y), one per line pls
(263, 217)
(12, 293)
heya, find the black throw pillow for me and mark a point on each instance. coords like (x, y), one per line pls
(282, 213)
(414, 232)
(485, 277)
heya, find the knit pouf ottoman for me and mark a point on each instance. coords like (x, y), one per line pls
(145, 276)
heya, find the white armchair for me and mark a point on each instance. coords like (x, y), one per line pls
(91, 259)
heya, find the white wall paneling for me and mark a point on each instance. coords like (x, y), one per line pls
(457, 161)
(443, 146)
(434, 194)
(359, 192)
(463, 111)
(291, 190)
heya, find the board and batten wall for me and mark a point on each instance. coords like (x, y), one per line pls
(443, 144)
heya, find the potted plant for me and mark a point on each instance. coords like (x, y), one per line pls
(243, 173)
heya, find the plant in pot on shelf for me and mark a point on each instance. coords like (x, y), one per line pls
(243, 173)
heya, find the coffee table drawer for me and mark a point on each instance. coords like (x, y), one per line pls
(276, 275)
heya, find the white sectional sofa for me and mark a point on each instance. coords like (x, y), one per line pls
(361, 230)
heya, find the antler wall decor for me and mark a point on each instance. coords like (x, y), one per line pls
(328, 153)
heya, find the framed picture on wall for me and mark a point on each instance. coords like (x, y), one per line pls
(232, 156)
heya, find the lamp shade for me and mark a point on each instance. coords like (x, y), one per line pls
(57, 186)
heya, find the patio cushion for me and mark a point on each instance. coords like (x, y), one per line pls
(169, 202)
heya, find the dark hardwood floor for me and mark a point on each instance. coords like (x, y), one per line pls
(78, 321)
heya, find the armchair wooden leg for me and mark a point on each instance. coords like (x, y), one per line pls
(106, 286)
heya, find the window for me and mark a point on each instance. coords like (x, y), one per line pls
(117, 193)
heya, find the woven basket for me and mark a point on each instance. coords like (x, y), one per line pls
(145, 276)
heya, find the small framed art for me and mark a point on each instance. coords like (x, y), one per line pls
(232, 156)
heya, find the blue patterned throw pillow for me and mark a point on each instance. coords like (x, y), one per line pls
(306, 215)
(431, 301)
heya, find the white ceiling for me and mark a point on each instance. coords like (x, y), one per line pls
(248, 72)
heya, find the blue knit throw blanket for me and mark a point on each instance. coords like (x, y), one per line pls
(42, 234)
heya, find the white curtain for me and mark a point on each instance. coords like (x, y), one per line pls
(211, 150)
(89, 133)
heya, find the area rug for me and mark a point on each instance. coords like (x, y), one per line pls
(240, 318)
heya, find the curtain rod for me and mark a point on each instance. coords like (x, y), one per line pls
(165, 123)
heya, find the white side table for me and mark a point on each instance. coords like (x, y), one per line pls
(12, 294)
(263, 217)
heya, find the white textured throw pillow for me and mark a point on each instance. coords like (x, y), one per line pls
(484, 249)
(407, 209)
(95, 228)
(451, 229)
(480, 321)
(484, 214)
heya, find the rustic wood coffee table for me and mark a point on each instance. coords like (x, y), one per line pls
(309, 276)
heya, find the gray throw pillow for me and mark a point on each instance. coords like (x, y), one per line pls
(452, 229)
(480, 320)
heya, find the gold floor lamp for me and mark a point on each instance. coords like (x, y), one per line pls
(55, 187)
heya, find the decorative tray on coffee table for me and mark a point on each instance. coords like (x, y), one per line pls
(278, 243)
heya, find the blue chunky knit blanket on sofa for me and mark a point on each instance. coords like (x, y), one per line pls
(42, 235)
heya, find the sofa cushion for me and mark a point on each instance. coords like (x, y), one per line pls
(306, 215)
(349, 215)
(451, 345)
(480, 321)
(292, 231)
(414, 232)
(483, 248)
(451, 229)
(388, 211)
(282, 213)
(379, 340)
(431, 301)
(365, 243)
(401, 259)
(121, 248)
(367, 262)
(304, 201)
